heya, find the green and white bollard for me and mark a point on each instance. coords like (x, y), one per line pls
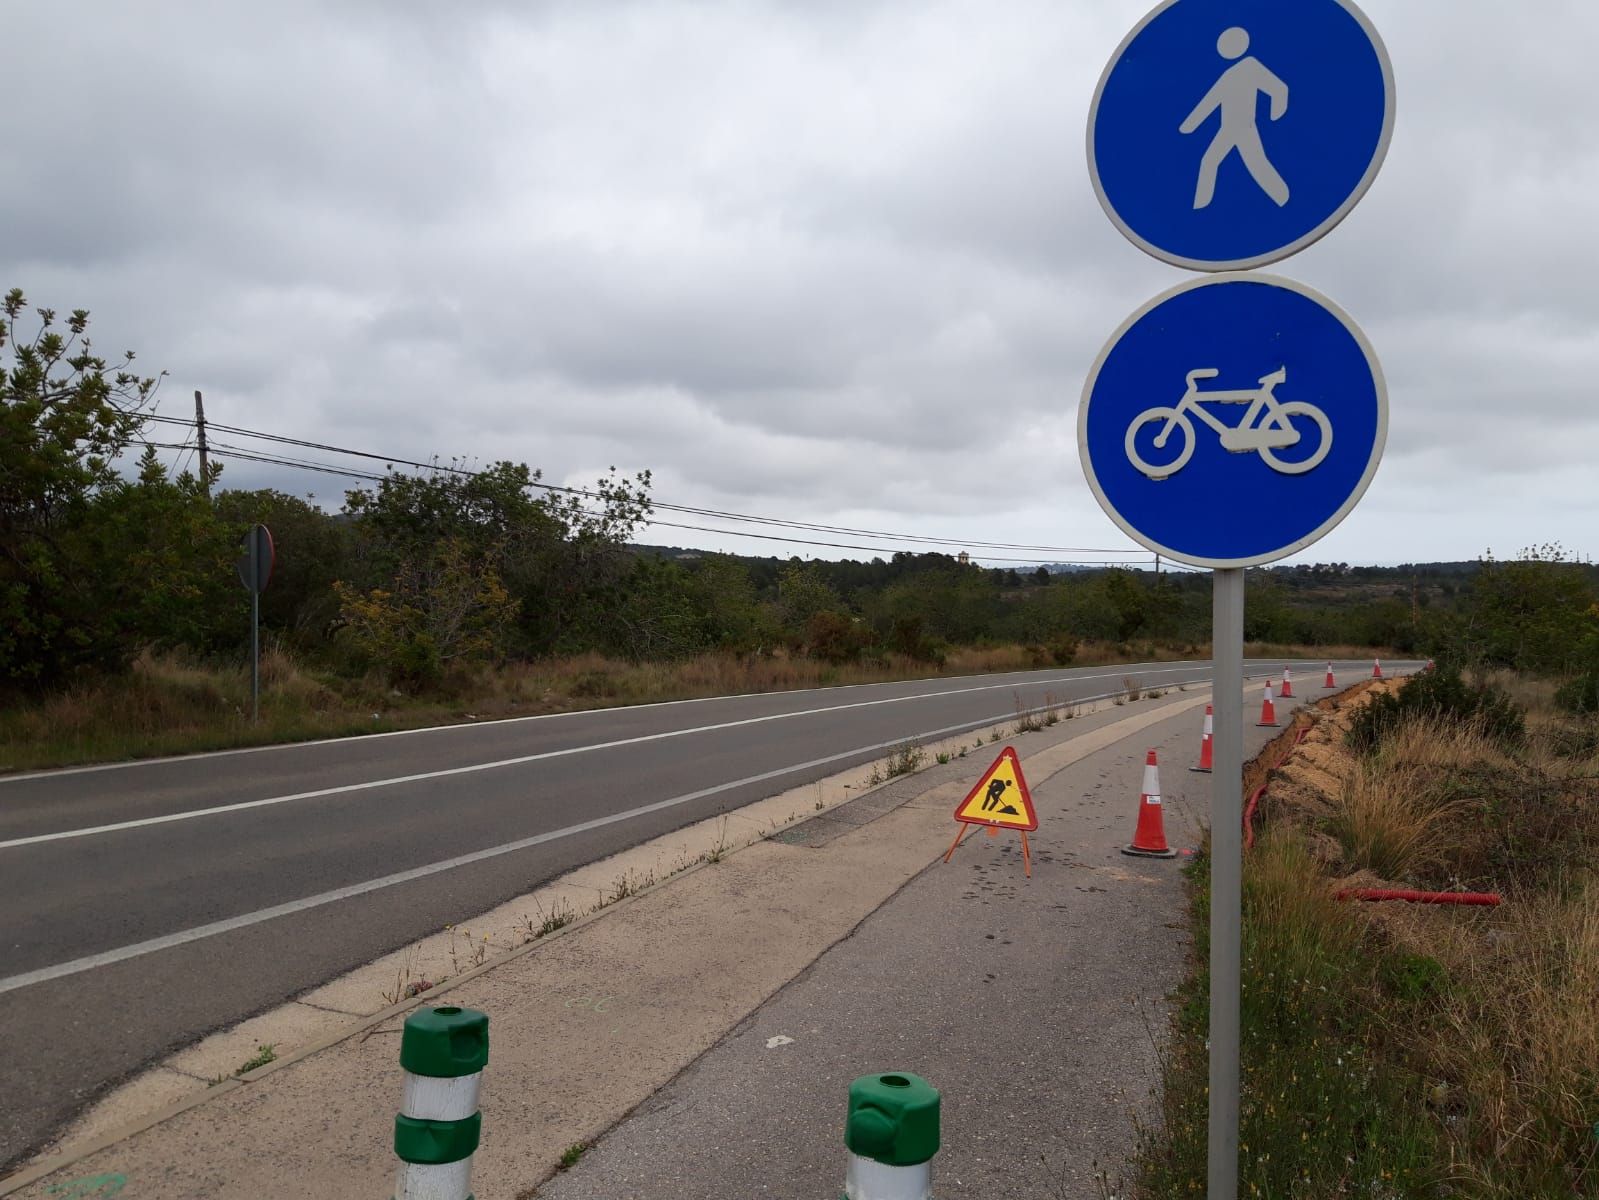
(443, 1052)
(892, 1135)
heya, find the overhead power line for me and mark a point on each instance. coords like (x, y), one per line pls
(225, 450)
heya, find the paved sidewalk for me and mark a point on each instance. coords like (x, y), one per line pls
(1036, 1006)
(712, 1023)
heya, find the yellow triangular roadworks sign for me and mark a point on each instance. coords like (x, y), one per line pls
(1001, 797)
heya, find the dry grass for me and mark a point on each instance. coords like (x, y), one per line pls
(1498, 1005)
(1386, 823)
(170, 703)
(1520, 1048)
(1399, 815)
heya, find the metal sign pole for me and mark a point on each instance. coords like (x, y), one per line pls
(255, 638)
(1226, 877)
(254, 569)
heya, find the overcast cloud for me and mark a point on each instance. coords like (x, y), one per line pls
(835, 262)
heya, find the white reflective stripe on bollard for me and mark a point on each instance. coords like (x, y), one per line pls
(868, 1180)
(444, 1181)
(430, 1099)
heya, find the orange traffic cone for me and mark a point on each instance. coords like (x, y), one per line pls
(1376, 668)
(1288, 684)
(1149, 839)
(1329, 685)
(1204, 744)
(1268, 713)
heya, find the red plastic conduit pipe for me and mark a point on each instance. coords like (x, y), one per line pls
(1249, 811)
(1487, 898)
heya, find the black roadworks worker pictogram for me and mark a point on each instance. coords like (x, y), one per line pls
(996, 793)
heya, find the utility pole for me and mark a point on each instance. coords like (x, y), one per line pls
(199, 429)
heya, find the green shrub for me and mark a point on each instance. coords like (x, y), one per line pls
(1580, 695)
(834, 637)
(1443, 695)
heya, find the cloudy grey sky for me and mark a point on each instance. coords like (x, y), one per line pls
(834, 262)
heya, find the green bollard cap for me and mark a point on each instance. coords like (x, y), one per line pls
(445, 1042)
(893, 1119)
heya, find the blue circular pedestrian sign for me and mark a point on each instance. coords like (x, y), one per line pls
(1227, 134)
(1233, 420)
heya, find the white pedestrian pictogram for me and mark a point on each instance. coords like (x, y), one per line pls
(1274, 432)
(1234, 93)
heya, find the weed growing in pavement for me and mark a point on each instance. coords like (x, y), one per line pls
(943, 757)
(1026, 720)
(405, 988)
(1131, 687)
(471, 954)
(571, 1154)
(629, 883)
(719, 849)
(405, 985)
(560, 914)
(904, 759)
(264, 1054)
(994, 737)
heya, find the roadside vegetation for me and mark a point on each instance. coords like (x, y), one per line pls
(454, 593)
(175, 701)
(1399, 1050)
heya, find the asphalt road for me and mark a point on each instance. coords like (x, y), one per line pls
(148, 904)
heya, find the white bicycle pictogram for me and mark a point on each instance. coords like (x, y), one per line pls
(1274, 432)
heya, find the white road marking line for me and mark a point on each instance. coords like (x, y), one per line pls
(1188, 665)
(367, 785)
(199, 932)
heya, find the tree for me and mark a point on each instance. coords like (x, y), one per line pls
(163, 563)
(443, 610)
(560, 553)
(802, 593)
(65, 419)
(311, 552)
(1530, 613)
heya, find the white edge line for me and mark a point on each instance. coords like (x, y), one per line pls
(199, 932)
(392, 781)
(1184, 663)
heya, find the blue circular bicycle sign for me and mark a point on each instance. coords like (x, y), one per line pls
(1227, 134)
(1233, 420)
